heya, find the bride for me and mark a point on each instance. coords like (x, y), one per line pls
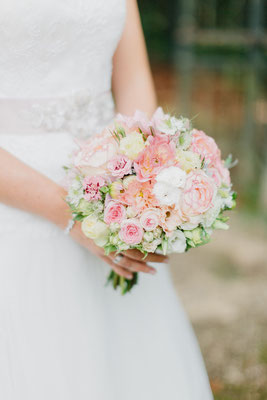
(63, 335)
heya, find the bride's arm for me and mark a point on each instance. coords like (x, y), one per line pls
(24, 188)
(132, 81)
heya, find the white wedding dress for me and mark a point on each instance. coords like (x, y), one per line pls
(63, 335)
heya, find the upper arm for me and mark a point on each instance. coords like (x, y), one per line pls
(131, 71)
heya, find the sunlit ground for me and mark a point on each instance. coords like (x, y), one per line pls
(223, 287)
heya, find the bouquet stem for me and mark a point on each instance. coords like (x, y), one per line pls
(119, 281)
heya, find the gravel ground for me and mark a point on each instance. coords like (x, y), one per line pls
(223, 287)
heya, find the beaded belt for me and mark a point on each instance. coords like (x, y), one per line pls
(80, 114)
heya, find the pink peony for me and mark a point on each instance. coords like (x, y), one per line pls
(154, 157)
(198, 194)
(114, 212)
(138, 121)
(149, 219)
(205, 146)
(131, 231)
(91, 186)
(119, 166)
(94, 154)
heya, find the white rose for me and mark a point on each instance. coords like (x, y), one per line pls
(95, 229)
(132, 144)
(177, 242)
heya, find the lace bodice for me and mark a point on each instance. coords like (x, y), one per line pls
(56, 64)
(54, 47)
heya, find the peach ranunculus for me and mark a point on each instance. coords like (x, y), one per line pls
(154, 157)
(119, 166)
(95, 153)
(205, 146)
(170, 218)
(150, 219)
(131, 231)
(114, 212)
(91, 187)
(198, 194)
(139, 195)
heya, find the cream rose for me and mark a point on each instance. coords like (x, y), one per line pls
(132, 144)
(188, 160)
(95, 229)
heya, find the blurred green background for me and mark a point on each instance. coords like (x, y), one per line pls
(209, 61)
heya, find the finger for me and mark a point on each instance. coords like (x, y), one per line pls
(135, 266)
(118, 269)
(152, 257)
(157, 258)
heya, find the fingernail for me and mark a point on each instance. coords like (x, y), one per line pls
(153, 271)
(129, 277)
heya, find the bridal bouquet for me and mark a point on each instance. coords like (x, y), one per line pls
(154, 185)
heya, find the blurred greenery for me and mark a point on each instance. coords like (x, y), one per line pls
(209, 59)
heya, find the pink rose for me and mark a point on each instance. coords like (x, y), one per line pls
(149, 219)
(120, 166)
(131, 231)
(114, 212)
(205, 146)
(198, 194)
(91, 186)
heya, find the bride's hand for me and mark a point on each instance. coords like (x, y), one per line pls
(131, 260)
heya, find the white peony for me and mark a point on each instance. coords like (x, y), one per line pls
(166, 194)
(174, 176)
(177, 242)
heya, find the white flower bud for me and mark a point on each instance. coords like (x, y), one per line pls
(114, 227)
(131, 212)
(148, 236)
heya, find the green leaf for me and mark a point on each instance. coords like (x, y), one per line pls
(78, 217)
